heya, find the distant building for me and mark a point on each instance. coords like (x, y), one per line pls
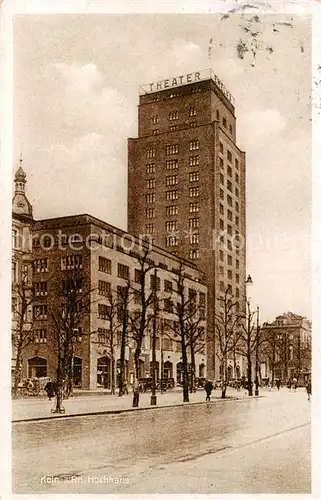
(22, 222)
(186, 185)
(104, 258)
(287, 348)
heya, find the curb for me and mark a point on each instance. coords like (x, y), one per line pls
(126, 410)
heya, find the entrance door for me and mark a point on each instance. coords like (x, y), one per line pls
(179, 373)
(103, 372)
(77, 372)
(37, 367)
(168, 369)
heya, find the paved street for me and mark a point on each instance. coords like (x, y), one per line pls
(259, 445)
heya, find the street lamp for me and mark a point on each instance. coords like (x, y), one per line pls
(249, 281)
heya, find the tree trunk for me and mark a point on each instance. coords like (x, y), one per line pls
(193, 368)
(224, 376)
(122, 355)
(249, 374)
(59, 386)
(185, 370)
(17, 370)
(112, 385)
(136, 384)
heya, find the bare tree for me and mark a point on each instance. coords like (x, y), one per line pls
(139, 319)
(70, 305)
(270, 349)
(227, 332)
(123, 300)
(22, 301)
(195, 335)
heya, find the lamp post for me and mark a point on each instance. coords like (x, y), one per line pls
(153, 399)
(257, 351)
(248, 283)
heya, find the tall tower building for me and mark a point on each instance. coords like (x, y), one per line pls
(186, 183)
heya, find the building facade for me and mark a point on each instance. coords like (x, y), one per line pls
(186, 183)
(104, 259)
(22, 222)
(286, 352)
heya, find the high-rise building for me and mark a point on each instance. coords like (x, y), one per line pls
(186, 183)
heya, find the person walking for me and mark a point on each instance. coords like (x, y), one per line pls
(208, 389)
(50, 389)
(125, 387)
(309, 389)
(295, 383)
(278, 383)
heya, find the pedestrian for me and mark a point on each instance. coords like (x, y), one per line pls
(208, 389)
(295, 383)
(50, 389)
(278, 383)
(125, 386)
(289, 384)
(309, 389)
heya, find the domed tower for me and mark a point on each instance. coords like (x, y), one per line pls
(20, 203)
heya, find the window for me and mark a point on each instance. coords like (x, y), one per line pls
(221, 148)
(237, 292)
(221, 209)
(151, 183)
(194, 176)
(229, 260)
(202, 299)
(171, 241)
(229, 215)
(193, 223)
(150, 228)
(40, 311)
(168, 286)
(221, 255)
(236, 163)
(14, 238)
(194, 207)
(193, 192)
(192, 124)
(237, 262)
(150, 168)
(104, 288)
(221, 225)
(236, 192)
(217, 114)
(229, 185)
(194, 239)
(150, 198)
(229, 245)
(194, 253)
(155, 119)
(237, 278)
(229, 156)
(171, 195)
(237, 206)
(172, 128)
(221, 194)
(229, 200)
(150, 213)
(222, 179)
(167, 344)
(155, 131)
(71, 262)
(103, 311)
(168, 305)
(229, 274)
(40, 265)
(237, 220)
(40, 336)
(221, 286)
(221, 269)
(172, 149)
(103, 335)
(151, 153)
(193, 161)
(231, 129)
(171, 180)
(137, 275)
(171, 225)
(104, 265)
(40, 288)
(171, 164)
(224, 122)
(229, 171)
(237, 178)
(192, 111)
(194, 145)
(122, 271)
(172, 210)
(152, 282)
(173, 115)
(221, 163)
(229, 229)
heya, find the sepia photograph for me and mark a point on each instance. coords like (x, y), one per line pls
(161, 284)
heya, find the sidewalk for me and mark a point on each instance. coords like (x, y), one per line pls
(34, 409)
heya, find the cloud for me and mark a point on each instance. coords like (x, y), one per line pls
(259, 125)
(80, 78)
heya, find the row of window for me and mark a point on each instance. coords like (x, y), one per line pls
(172, 149)
(172, 209)
(173, 115)
(172, 164)
(229, 200)
(229, 156)
(229, 173)
(224, 122)
(229, 215)
(171, 180)
(230, 186)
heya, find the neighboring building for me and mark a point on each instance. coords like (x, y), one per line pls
(103, 258)
(22, 221)
(287, 350)
(186, 183)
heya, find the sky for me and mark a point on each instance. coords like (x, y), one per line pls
(76, 84)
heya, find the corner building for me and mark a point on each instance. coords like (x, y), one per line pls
(186, 183)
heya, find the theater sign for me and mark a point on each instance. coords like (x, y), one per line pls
(177, 81)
